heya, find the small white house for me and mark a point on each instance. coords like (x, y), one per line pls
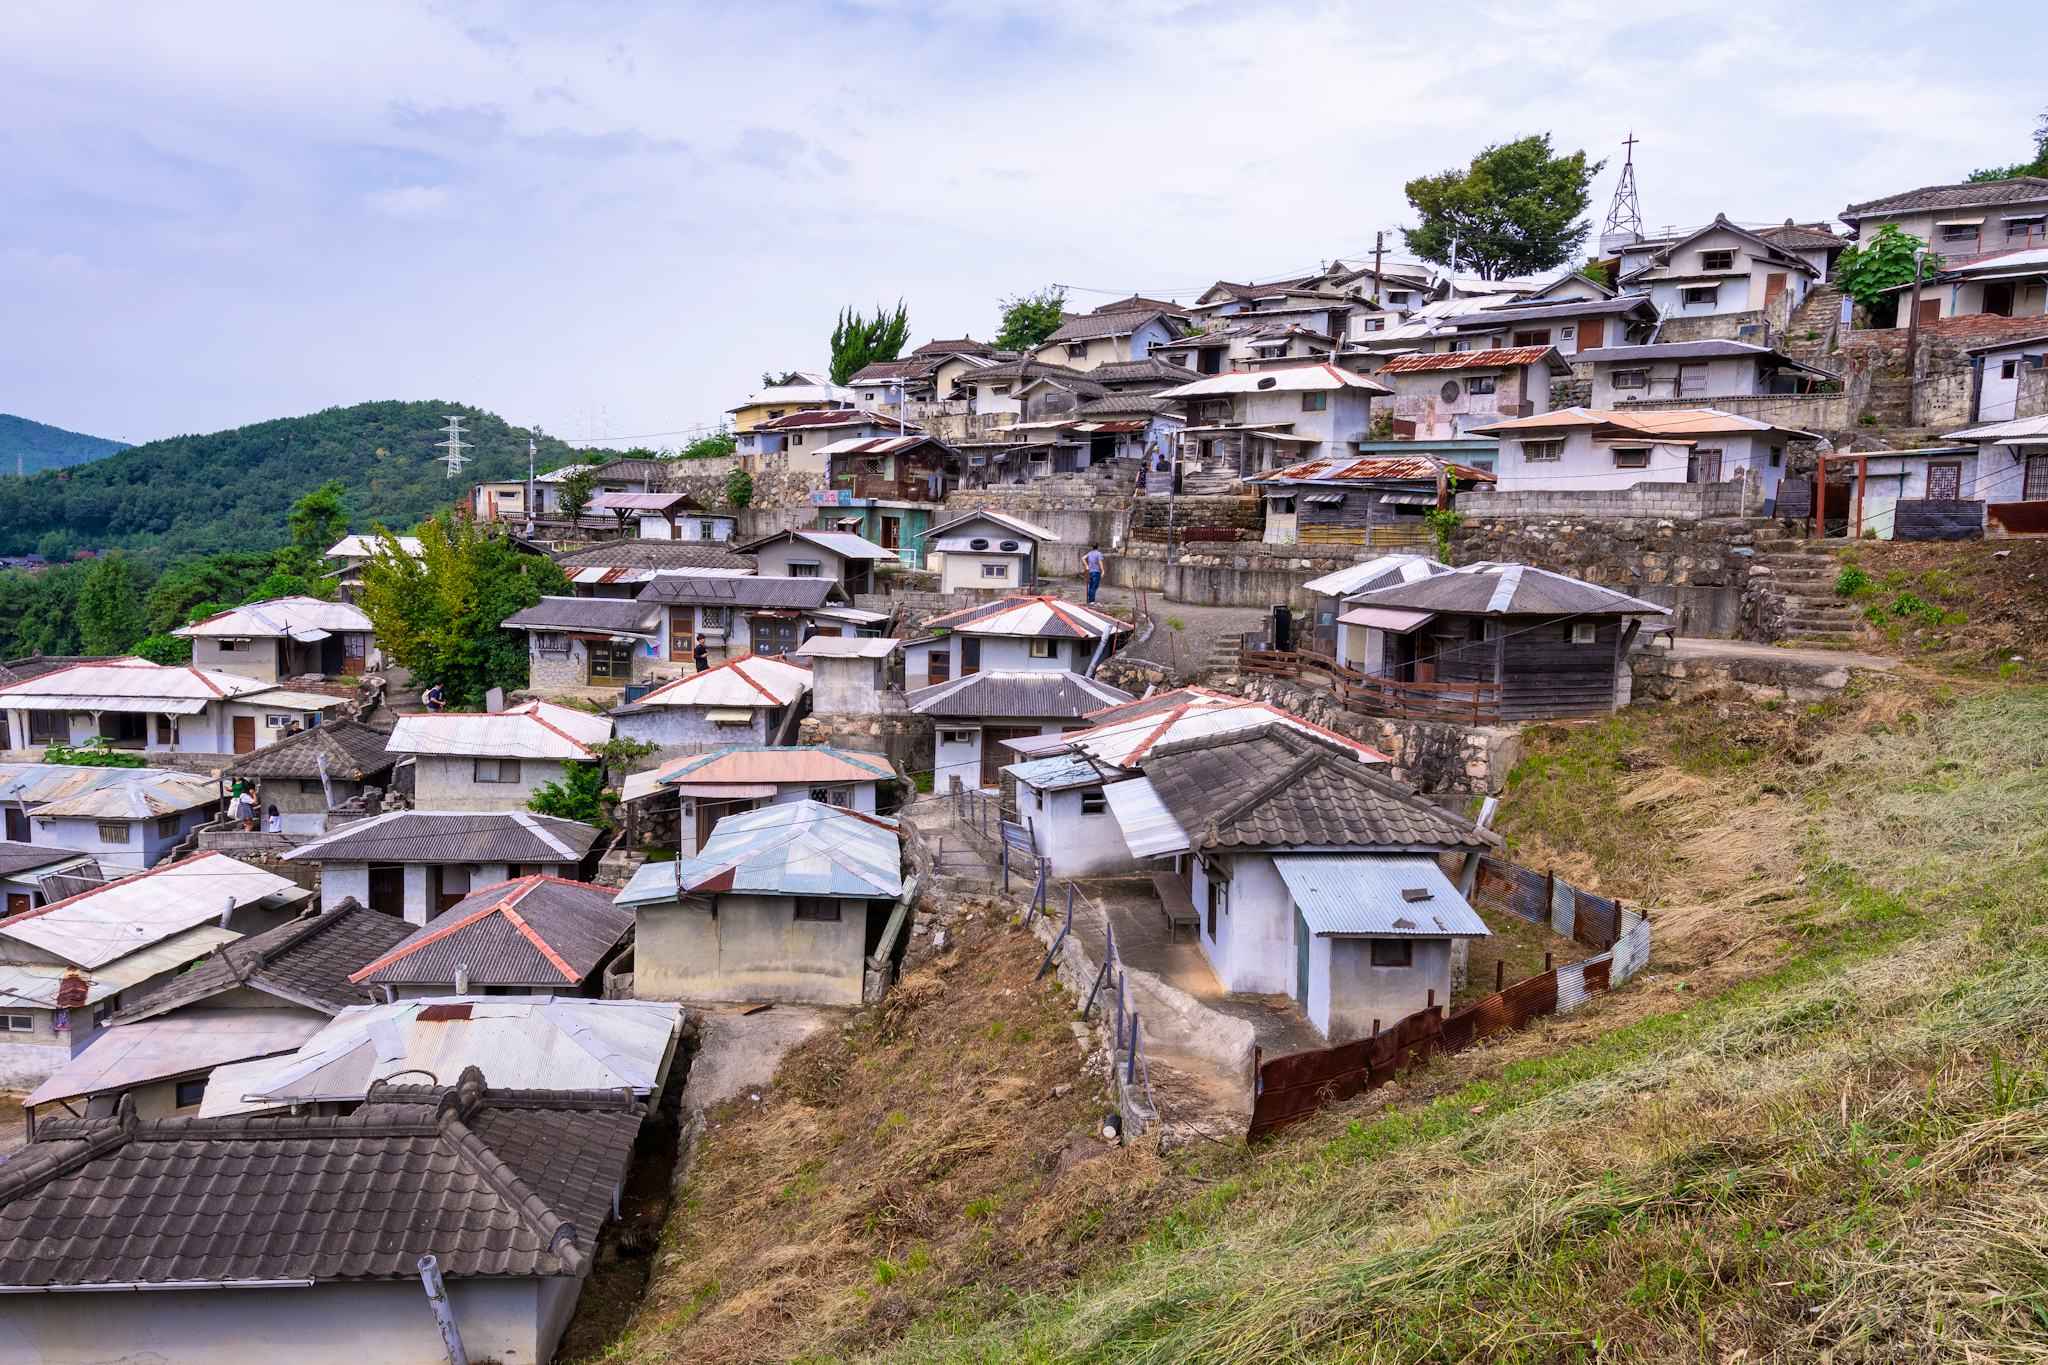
(850, 674)
(2012, 459)
(415, 864)
(1702, 371)
(1722, 272)
(497, 760)
(1889, 477)
(840, 556)
(1013, 634)
(285, 637)
(746, 700)
(155, 708)
(1582, 449)
(1061, 800)
(985, 552)
(580, 644)
(130, 825)
(1251, 421)
(2004, 369)
(703, 789)
(780, 904)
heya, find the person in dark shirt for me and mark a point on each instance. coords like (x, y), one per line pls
(435, 698)
(701, 655)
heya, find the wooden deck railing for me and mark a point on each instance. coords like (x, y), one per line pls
(1369, 694)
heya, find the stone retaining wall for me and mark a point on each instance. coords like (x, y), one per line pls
(1431, 756)
(1694, 501)
(1662, 675)
(1698, 568)
(1924, 519)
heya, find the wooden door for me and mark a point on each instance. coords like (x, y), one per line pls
(1945, 481)
(994, 757)
(245, 734)
(387, 889)
(17, 902)
(17, 825)
(1930, 311)
(1774, 285)
(1592, 332)
(1998, 298)
(970, 655)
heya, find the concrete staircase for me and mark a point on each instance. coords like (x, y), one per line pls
(1820, 313)
(1795, 577)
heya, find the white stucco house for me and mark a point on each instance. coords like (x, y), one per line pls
(1252, 421)
(156, 708)
(1012, 634)
(496, 760)
(414, 864)
(1580, 449)
(974, 717)
(129, 824)
(702, 789)
(285, 637)
(985, 552)
(746, 700)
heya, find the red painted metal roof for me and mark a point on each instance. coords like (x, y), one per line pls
(1502, 358)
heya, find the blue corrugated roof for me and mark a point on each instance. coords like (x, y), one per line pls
(1051, 774)
(803, 848)
(1361, 893)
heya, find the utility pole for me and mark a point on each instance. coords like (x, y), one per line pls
(1454, 267)
(1379, 247)
(1912, 341)
(453, 443)
(532, 450)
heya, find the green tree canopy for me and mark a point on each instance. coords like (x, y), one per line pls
(1514, 211)
(859, 341)
(580, 795)
(109, 608)
(1870, 272)
(439, 615)
(315, 522)
(2037, 166)
(180, 591)
(574, 493)
(1030, 318)
(710, 446)
(739, 488)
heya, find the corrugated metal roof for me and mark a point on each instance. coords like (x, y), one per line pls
(533, 931)
(1040, 617)
(750, 680)
(39, 786)
(292, 618)
(749, 591)
(1505, 357)
(2024, 431)
(54, 985)
(602, 615)
(1283, 379)
(1396, 568)
(642, 502)
(1043, 693)
(876, 445)
(1149, 828)
(1675, 423)
(1489, 589)
(1369, 895)
(363, 546)
(534, 729)
(179, 1045)
(419, 836)
(519, 1043)
(303, 962)
(135, 800)
(847, 647)
(128, 685)
(109, 922)
(804, 848)
(1057, 773)
(1029, 530)
(17, 858)
(845, 544)
(1369, 469)
(1191, 713)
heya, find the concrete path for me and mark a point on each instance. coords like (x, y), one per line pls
(1694, 647)
(1186, 651)
(738, 1053)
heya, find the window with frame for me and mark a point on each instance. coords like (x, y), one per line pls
(1583, 632)
(1717, 260)
(113, 832)
(1481, 383)
(167, 826)
(995, 571)
(190, 1093)
(1959, 232)
(495, 770)
(48, 727)
(1397, 297)
(1315, 402)
(1393, 952)
(2026, 228)
(551, 642)
(1045, 649)
(1631, 379)
(1777, 456)
(227, 646)
(1542, 452)
(1631, 457)
(745, 722)
(20, 1023)
(2009, 368)
(958, 736)
(817, 909)
(1535, 336)
(1093, 802)
(714, 618)
(1692, 379)
(310, 786)
(1464, 345)
(1702, 293)
(1375, 324)
(1076, 349)
(832, 796)
(804, 568)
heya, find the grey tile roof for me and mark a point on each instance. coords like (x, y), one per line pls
(1141, 375)
(19, 857)
(1022, 368)
(493, 1183)
(881, 371)
(1047, 694)
(619, 615)
(306, 961)
(946, 346)
(773, 593)
(1546, 310)
(1089, 326)
(355, 752)
(1127, 405)
(412, 836)
(1506, 590)
(2019, 190)
(652, 554)
(1278, 787)
(1802, 236)
(535, 931)
(1139, 303)
(1705, 348)
(633, 467)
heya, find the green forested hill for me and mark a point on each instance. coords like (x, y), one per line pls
(230, 490)
(34, 446)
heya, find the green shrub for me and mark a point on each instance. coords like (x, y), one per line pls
(1852, 583)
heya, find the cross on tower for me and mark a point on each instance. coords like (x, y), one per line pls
(1625, 215)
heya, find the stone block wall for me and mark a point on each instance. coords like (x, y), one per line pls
(1431, 756)
(1662, 675)
(905, 738)
(1734, 498)
(1924, 519)
(1698, 568)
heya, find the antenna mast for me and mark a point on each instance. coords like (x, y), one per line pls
(1625, 215)
(453, 443)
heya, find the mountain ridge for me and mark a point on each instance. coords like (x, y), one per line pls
(31, 446)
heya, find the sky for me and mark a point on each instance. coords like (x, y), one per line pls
(611, 218)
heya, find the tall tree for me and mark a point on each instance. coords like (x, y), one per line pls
(2038, 166)
(439, 615)
(315, 522)
(859, 341)
(1514, 211)
(1030, 318)
(109, 607)
(574, 493)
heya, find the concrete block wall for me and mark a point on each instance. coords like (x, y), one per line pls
(1734, 498)
(1922, 519)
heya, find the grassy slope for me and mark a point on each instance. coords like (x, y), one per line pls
(35, 446)
(1843, 1149)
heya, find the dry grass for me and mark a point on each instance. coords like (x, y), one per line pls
(938, 1156)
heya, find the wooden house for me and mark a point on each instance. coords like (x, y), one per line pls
(1375, 501)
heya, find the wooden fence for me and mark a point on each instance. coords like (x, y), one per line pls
(1369, 694)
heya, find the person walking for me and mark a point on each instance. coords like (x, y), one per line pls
(273, 822)
(435, 698)
(1093, 559)
(701, 655)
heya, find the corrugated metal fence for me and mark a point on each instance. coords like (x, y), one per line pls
(1291, 1088)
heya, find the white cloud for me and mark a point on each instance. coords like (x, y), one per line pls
(410, 201)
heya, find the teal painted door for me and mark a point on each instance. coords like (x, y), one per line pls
(1300, 960)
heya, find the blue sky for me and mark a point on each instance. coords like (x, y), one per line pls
(611, 217)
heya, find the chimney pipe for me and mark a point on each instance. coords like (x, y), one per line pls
(462, 980)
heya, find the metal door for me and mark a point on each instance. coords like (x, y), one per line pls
(1300, 960)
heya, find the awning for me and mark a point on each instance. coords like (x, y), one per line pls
(1386, 618)
(729, 715)
(1031, 746)
(1409, 499)
(1959, 222)
(1148, 826)
(1324, 500)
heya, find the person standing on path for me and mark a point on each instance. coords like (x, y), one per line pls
(1093, 559)
(701, 656)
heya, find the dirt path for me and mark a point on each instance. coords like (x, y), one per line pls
(739, 1053)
